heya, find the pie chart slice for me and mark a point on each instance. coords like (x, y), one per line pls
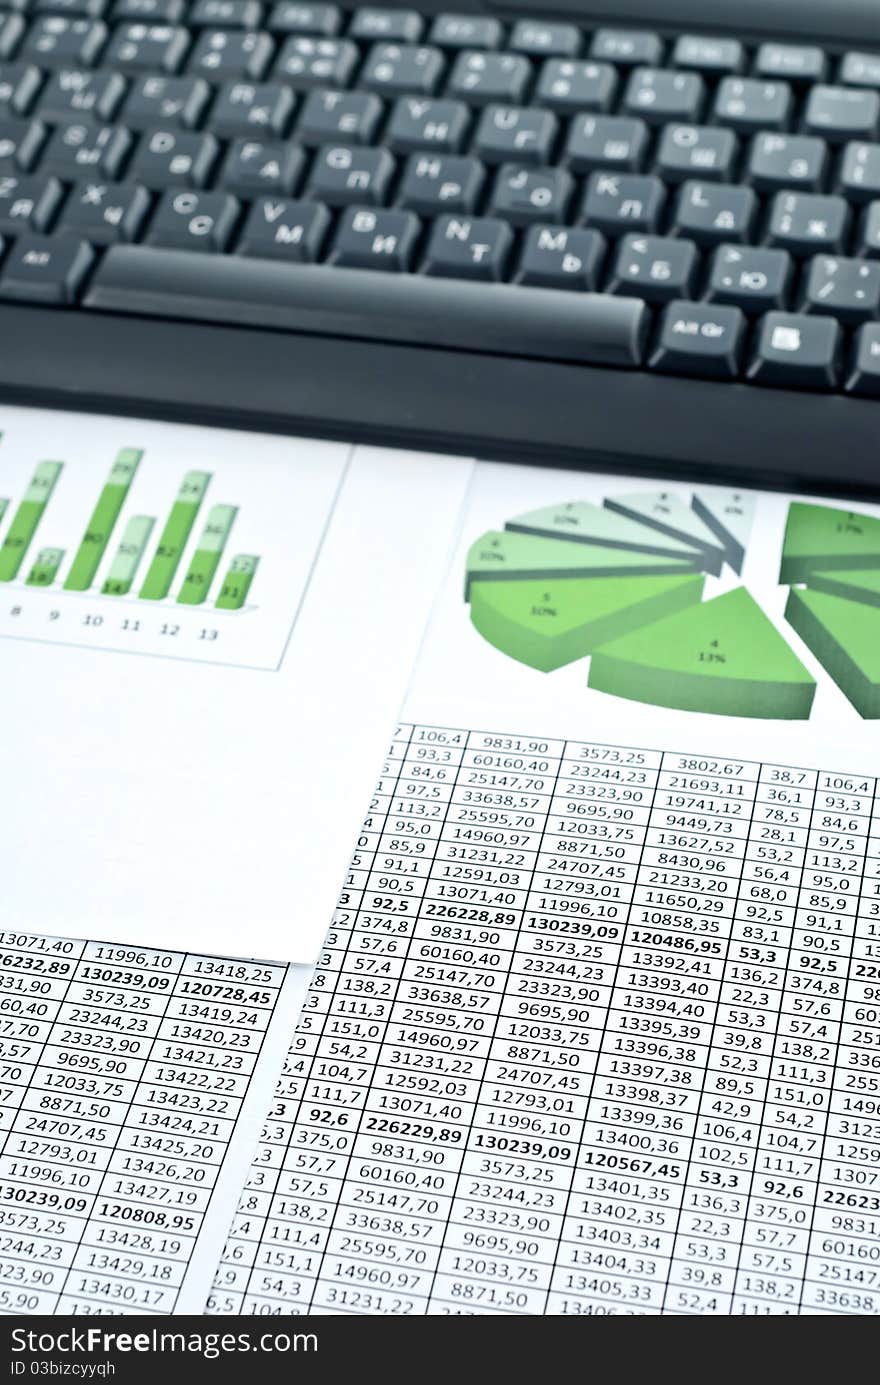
(845, 638)
(819, 538)
(863, 586)
(500, 555)
(729, 516)
(723, 657)
(666, 514)
(580, 522)
(546, 624)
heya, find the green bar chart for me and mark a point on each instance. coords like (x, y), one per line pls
(45, 569)
(177, 542)
(181, 567)
(174, 536)
(127, 560)
(206, 559)
(237, 582)
(104, 516)
(26, 519)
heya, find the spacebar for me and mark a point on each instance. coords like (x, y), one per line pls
(498, 318)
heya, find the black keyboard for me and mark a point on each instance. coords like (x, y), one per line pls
(583, 199)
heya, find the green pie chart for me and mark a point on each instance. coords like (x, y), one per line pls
(631, 588)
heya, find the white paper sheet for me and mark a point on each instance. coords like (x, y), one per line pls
(596, 1026)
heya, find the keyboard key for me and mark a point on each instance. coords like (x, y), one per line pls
(846, 289)
(330, 115)
(105, 213)
(754, 279)
(465, 31)
(555, 257)
(155, 48)
(399, 70)
(859, 176)
(536, 39)
(794, 62)
(418, 124)
(860, 69)
(221, 54)
(606, 141)
(468, 248)
(20, 143)
(19, 84)
(483, 77)
(839, 114)
(57, 42)
(432, 185)
(804, 223)
(797, 352)
(589, 327)
(44, 269)
(368, 239)
(787, 161)
(520, 133)
(523, 196)
(345, 174)
(714, 56)
(659, 96)
(149, 11)
(748, 105)
(169, 158)
(864, 377)
(279, 228)
(225, 14)
(655, 268)
(296, 17)
(81, 150)
(394, 26)
(711, 213)
(257, 108)
(158, 101)
(702, 150)
(194, 221)
(700, 339)
(869, 231)
(75, 93)
(254, 167)
(11, 29)
(570, 87)
(627, 47)
(82, 8)
(28, 204)
(615, 203)
(305, 63)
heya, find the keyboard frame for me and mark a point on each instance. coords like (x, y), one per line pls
(516, 409)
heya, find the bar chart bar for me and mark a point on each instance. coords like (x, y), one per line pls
(206, 558)
(127, 559)
(178, 527)
(104, 516)
(26, 518)
(45, 568)
(237, 582)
